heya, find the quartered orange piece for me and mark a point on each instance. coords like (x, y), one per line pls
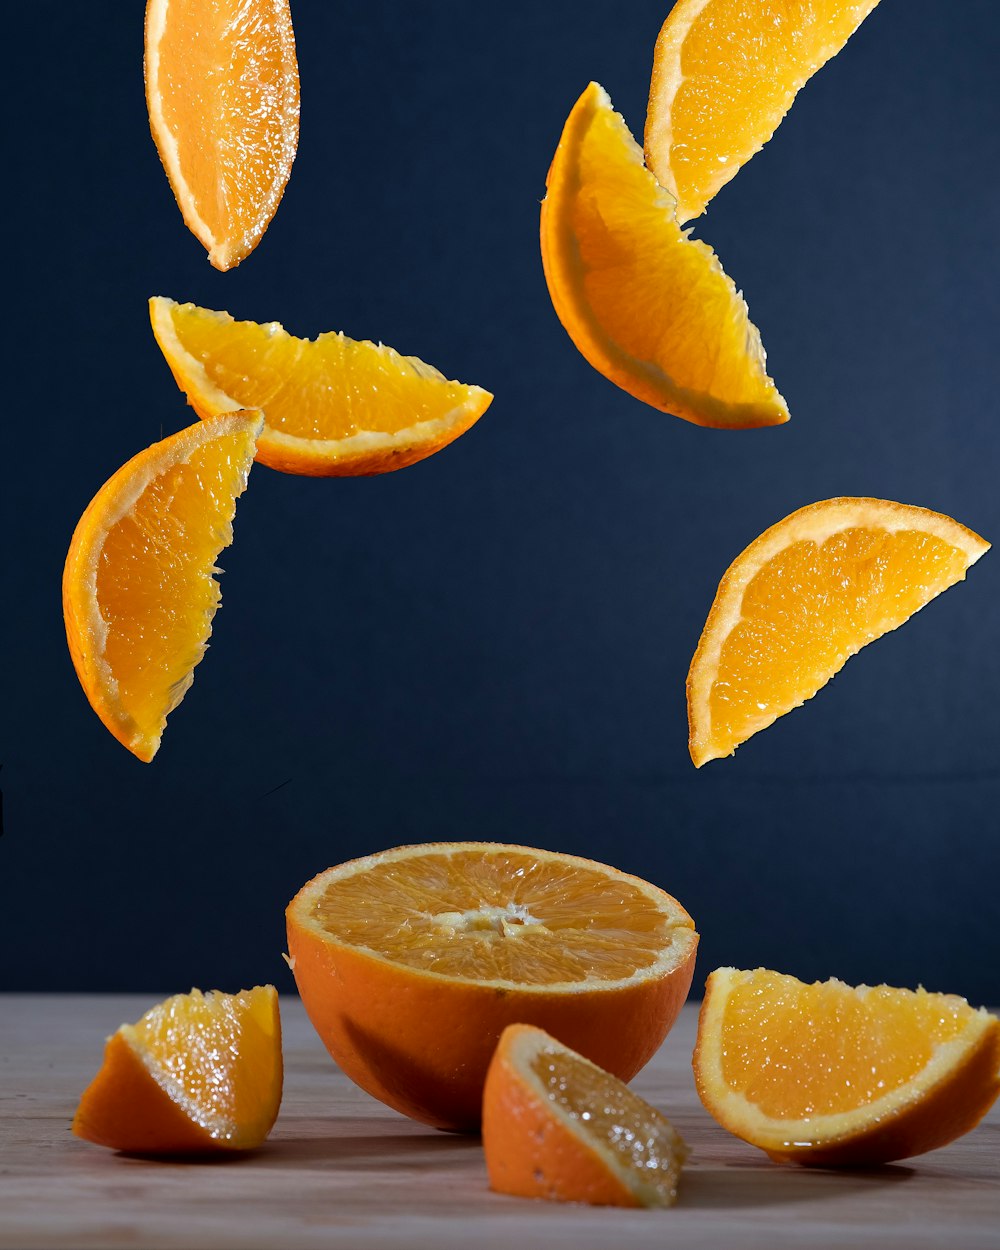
(139, 593)
(198, 1074)
(830, 1075)
(222, 90)
(557, 1126)
(333, 407)
(725, 72)
(649, 308)
(803, 598)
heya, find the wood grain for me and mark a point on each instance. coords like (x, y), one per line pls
(342, 1170)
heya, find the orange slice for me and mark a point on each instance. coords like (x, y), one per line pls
(825, 1074)
(648, 307)
(557, 1126)
(199, 1073)
(803, 598)
(412, 962)
(222, 90)
(333, 407)
(138, 590)
(724, 75)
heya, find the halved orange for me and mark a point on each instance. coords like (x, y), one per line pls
(557, 1126)
(198, 1074)
(412, 962)
(138, 590)
(222, 90)
(333, 407)
(724, 75)
(649, 308)
(803, 598)
(830, 1075)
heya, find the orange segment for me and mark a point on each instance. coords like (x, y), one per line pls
(198, 1073)
(556, 1126)
(725, 72)
(222, 90)
(803, 598)
(648, 307)
(138, 590)
(827, 1074)
(334, 407)
(411, 963)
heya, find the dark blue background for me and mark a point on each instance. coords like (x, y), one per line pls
(493, 644)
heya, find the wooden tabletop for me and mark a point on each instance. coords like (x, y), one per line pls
(342, 1170)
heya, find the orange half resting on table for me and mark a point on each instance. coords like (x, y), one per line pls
(333, 407)
(138, 588)
(198, 1074)
(222, 91)
(557, 1126)
(649, 308)
(412, 962)
(803, 598)
(829, 1075)
(725, 73)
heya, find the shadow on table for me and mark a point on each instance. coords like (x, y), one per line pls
(352, 1143)
(744, 1187)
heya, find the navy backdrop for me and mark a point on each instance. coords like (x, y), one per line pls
(493, 643)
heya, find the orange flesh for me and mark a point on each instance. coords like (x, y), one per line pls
(657, 296)
(615, 1119)
(155, 591)
(327, 388)
(228, 91)
(812, 607)
(799, 1050)
(487, 915)
(742, 64)
(191, 1043)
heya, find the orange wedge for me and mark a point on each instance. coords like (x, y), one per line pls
(557, 1126)
(138, 590)
(829, 1075)
(724, 75)
(803, 598)
(412, 962)
(333, 407)
(648, 307)
(222, 90)
(198, 1074)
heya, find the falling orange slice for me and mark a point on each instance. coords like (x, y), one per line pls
(557, 1126)
(411, 963)
(829, 1075)
(138, 590)
(649, 308)
(724, 75)
(803, 598)
(198, 1074)
(222, 90)
(333, 407)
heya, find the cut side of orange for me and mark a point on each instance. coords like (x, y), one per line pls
(724, 75)
(649, 308)
(198, 1074)
(412, 962)
(333, 407)
(803, 598)
(222, 90)
(557, 1126)
(830, 1075)
(138, 588)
